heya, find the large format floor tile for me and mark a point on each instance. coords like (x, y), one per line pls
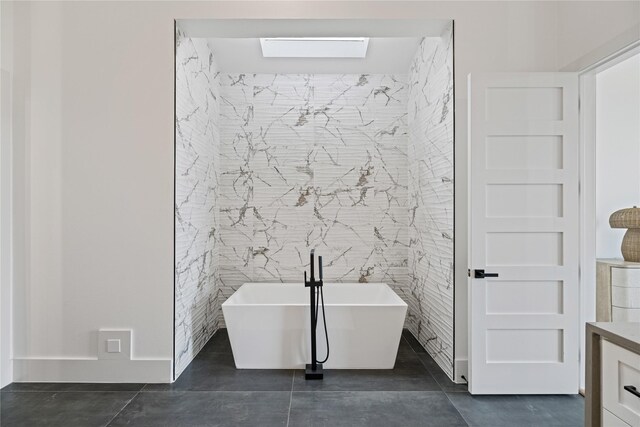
(371, 409)
(439, 375)
(185, 408)
(63, 409)
(412, 341)
(408, 374)
(73, 387)
(509, 411)
(217, 372)
(211, 392)
(436, 371)
(219, 343)
(566, 410)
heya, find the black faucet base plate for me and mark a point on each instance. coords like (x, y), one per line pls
(310, 374)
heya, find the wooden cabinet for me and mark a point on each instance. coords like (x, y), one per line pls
(613, 374)
(621, 383)
(617, 291)
(610, 420)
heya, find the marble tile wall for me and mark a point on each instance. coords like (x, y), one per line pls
(430, 189)
(359, 167)
(197, 229)
(313, 161)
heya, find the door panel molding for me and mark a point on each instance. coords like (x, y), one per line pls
(534, 242)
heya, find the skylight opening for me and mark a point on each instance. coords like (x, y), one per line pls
(314, 47)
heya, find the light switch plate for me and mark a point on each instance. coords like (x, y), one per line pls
(114, 344)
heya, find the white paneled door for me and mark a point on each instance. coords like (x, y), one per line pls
(523, 249)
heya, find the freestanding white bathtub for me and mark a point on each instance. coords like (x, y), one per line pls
(268, 325)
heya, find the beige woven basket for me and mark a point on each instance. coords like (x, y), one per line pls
(630, 219)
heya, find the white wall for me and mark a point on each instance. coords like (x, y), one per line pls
(97, 183)
(589, 30)
(6, 72)
(95, 126)
(617, 150)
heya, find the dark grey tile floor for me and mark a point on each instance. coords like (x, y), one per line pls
(211, 392)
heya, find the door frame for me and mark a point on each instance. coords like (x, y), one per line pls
(587, 188)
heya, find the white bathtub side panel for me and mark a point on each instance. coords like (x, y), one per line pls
(278, 337)
(267, 337)
(362, 337)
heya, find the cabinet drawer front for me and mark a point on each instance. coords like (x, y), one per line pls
(620, 368)
(625, 314)
(627, 277)
(610, 420)
(625, 297)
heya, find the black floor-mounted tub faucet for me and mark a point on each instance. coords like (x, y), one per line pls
(314, 369)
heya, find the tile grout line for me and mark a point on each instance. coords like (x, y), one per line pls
(123, 408)
(293, 377)
(456, 408)
(409, 344)
(371, 391)
(430, 374)
(71, 391)
(423, 363)
(429, 370)
(428, 354)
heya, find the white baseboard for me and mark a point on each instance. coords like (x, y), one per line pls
(460, 369)
(92, 370)
(6, 372)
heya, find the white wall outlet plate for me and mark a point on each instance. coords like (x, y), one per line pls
(114, 344)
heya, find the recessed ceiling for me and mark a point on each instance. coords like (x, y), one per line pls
(384, 56)
(236, 43)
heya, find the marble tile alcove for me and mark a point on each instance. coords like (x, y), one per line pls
(357, 165)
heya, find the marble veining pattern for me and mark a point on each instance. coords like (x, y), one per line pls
(197, 226)
(359, 167)
(430, 193)
(313, 161)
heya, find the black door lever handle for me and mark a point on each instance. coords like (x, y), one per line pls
(480, 274)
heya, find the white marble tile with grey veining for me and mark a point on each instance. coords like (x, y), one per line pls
(314, 161)
(430, 153)
(197, 190)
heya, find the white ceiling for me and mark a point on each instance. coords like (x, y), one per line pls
(236, 44)
(385, 55)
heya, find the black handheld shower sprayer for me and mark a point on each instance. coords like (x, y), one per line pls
(314, 370)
